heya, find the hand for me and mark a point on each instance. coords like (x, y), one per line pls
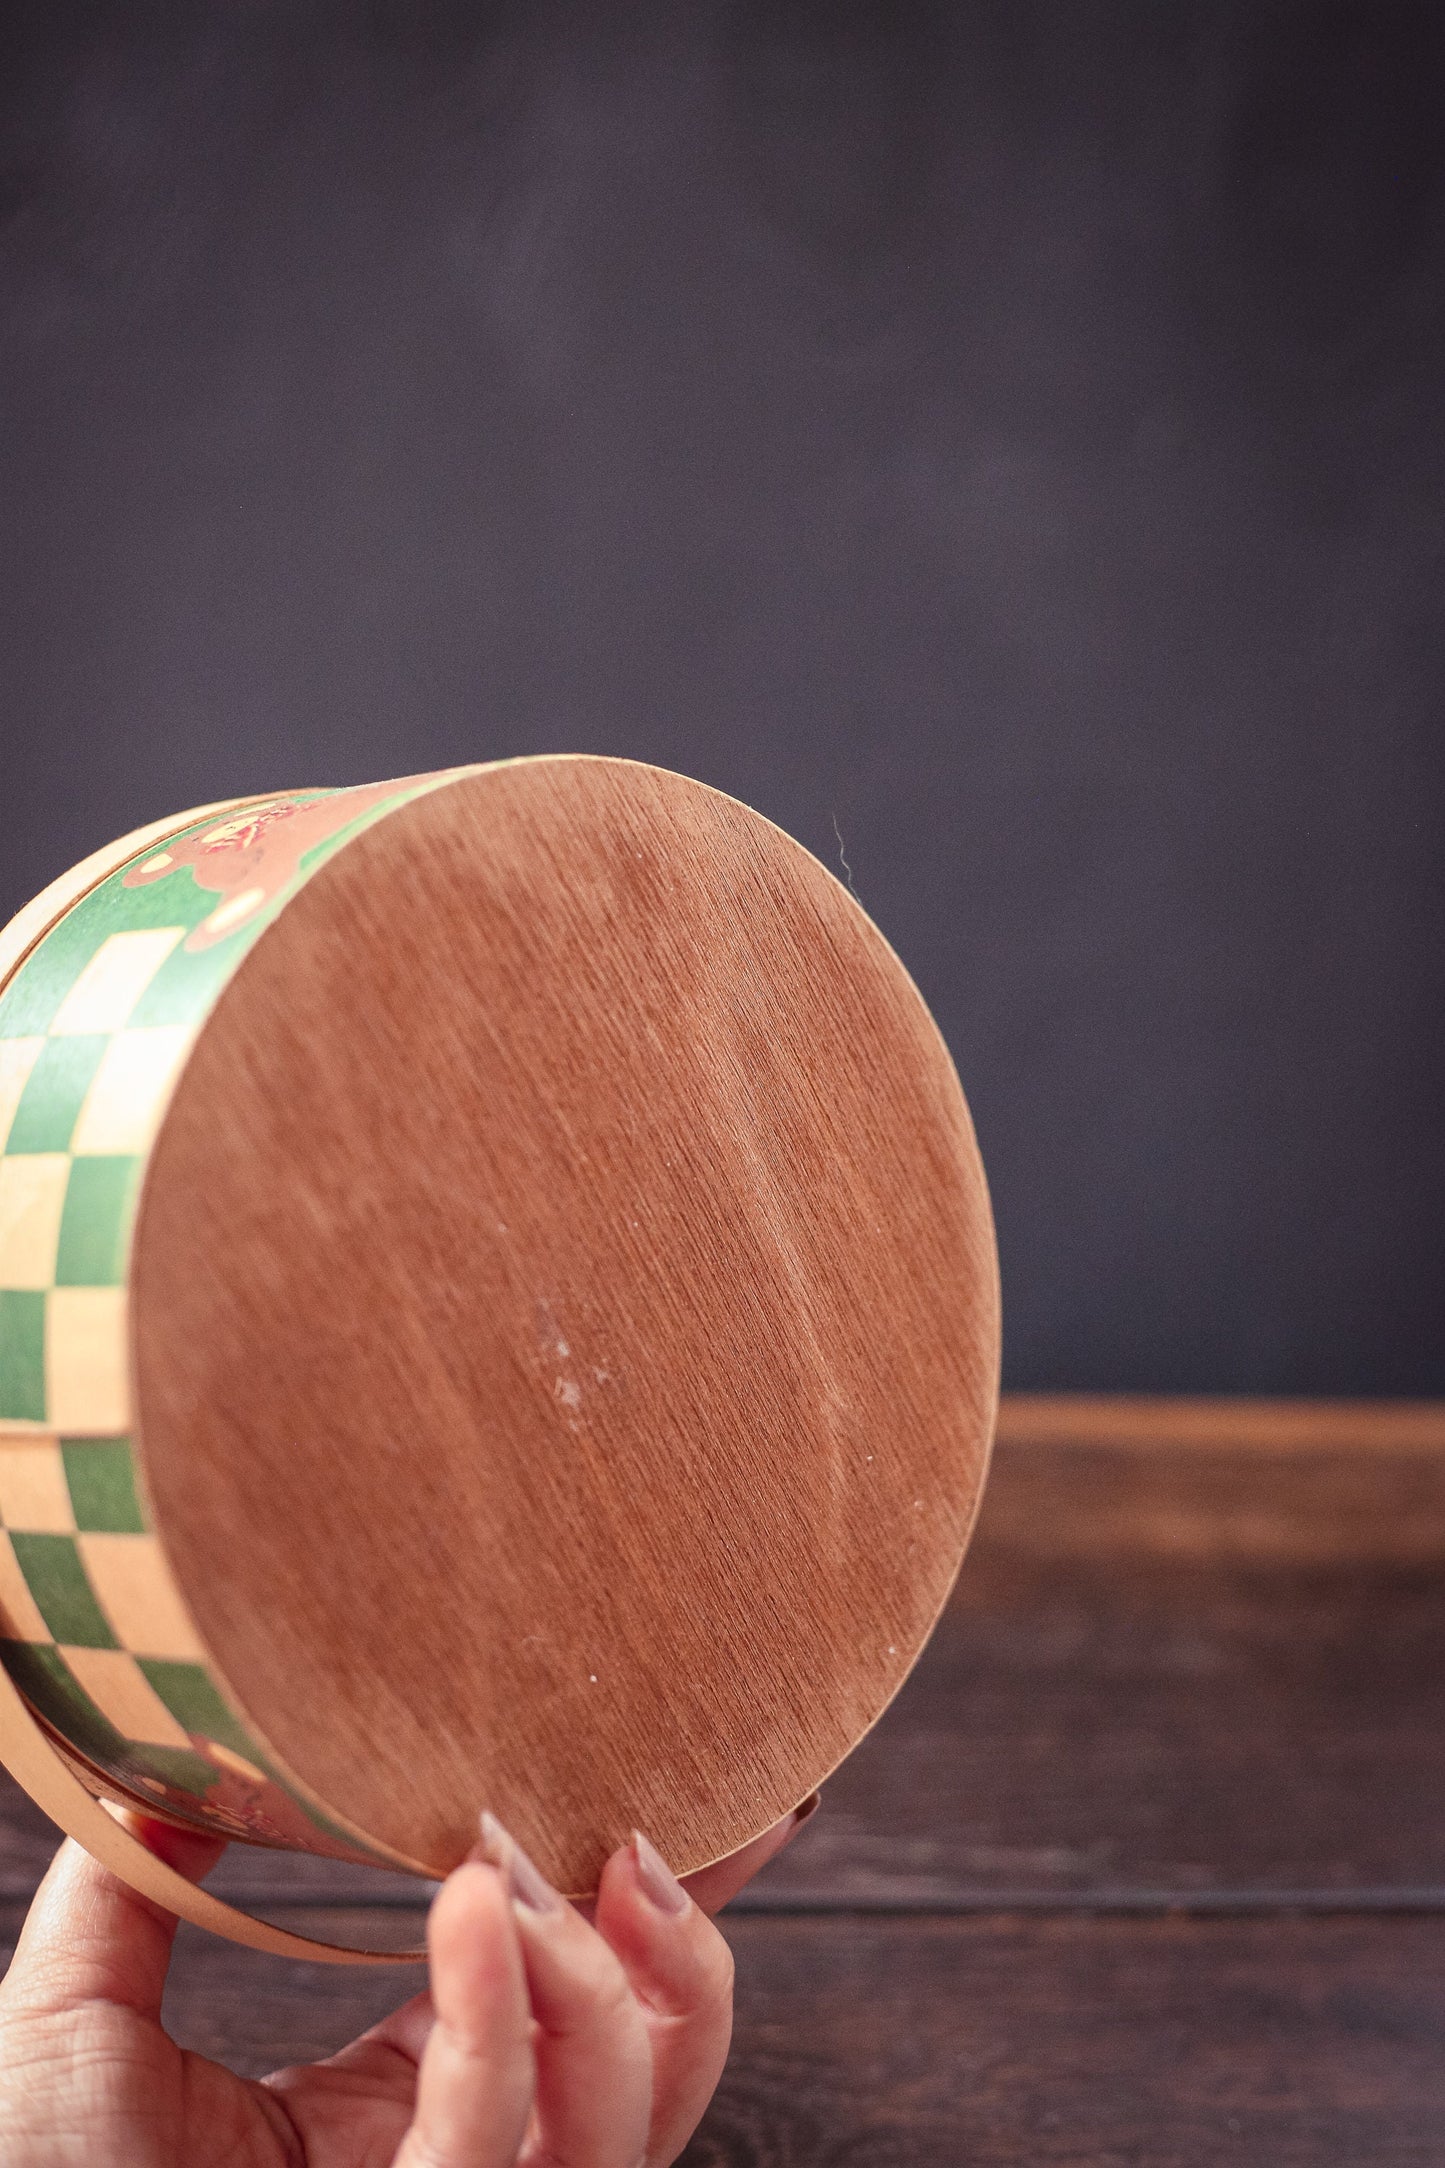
(544, 2040)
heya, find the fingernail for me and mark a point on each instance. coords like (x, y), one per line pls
(808, 1809)
(526, 1882)
(656, 1877)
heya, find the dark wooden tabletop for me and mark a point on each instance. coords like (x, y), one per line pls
(1145, 1866)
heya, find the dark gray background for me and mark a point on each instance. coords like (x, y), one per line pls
(1010, 432)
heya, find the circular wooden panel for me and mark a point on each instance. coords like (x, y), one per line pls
(566, 1321)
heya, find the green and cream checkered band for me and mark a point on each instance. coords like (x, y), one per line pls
(98, 1640)
(95, 1025)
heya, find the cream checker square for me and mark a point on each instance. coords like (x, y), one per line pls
(87, 1381)
(122, 1692)
(114, 980)
(129, 1090)
(17, 1059)
(32, 1199)
(34, 1495)
(20, 1618)
(134, 1589)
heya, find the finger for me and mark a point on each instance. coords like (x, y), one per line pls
(681, 1971)
(594, 2062)
(475, 2079)
(91, 1937)
(713, 1887)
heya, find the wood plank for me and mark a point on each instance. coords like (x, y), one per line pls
(1202, 1675)
(1110, 1740)
(1221, 1419)
(1174, 1674)
(1084, 2044)
(1061, 2043)
(1051, 1504)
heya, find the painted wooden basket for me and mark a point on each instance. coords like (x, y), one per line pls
(498, 1307)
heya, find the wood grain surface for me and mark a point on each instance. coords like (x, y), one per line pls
(566, 1322)
(1232, 1420)
(1145, 1866)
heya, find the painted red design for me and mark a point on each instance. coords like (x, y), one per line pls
(248, 858)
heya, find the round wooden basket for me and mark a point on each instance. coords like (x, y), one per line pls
(498, 1308)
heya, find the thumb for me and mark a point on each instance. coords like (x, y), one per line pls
(89, 1937)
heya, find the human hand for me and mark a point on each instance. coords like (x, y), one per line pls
(543, 2038)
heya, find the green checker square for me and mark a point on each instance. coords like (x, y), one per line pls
(54, 1093)
(188, 1693)
(22, 1355)
(57, 1580)
(101, 1478)
(51, 1688)
(30, 1001)
(95, 1225)
(190, 979)
(34, 995)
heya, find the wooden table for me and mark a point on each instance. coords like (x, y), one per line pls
(1145, 1866)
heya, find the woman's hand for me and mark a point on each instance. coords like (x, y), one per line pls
(543, 2039)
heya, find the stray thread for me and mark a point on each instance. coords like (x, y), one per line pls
(843, 861)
